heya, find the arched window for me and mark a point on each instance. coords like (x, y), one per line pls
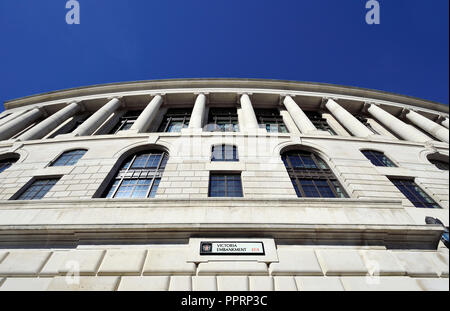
(69, 158)
(378, 158)
(228, 153)
(311, 176)
(139, 176)
(439, 160)
(7, 163)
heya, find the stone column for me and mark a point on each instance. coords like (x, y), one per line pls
(428, 126)
(348, 120)
(145, 119)
(299, 117)
(91, 124)
(52, 122)
(445, 123)
(20, 123)
(251, 123)
(198, 112)
(399, 127)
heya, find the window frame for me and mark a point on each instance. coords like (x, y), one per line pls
(127, 172)
(52, 164)
(224, 116)
(226, 175)
(397, 179)
(182, 115)
(377, 154)
(129, 117)
(267, 116)
(320, 122)
(321, 172)
(18, 196)
(223, 153)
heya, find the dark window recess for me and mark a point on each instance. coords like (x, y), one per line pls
(311, 176)
(175, 120)
(69, 158)
(414, 194)
(38, 189)
(126, 121)
(319, 122)
(222, 120)
(367, 124)
(271, 120)
(139, 176)
(378, 158)
(225, 185)
(224, 153)
(5, 164)
(440, 164)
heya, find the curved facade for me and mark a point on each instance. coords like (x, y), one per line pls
(216, 184)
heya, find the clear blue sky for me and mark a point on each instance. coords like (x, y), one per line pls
(305, 40)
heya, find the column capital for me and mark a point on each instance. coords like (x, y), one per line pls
(206, 94)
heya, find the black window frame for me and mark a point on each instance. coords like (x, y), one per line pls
(420, 196)
(224, 151)
(127, 172)
(226, 117)
(317, 171)
(320, 122)
(378, 158)
(226, 177)
(71, 155)
(7, 163)
(175, 115)
(126, 121)
(49, 181)
(366, 123)
(267, 117)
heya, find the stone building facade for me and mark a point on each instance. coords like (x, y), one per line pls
(116, 187)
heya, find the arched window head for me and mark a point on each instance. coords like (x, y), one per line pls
(439, 160)
(228, 153)
(139, 176)
(69, 158)
(311, 176)
(7, 162)
(378, 158)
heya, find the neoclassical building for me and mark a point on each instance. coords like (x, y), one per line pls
(223, 184)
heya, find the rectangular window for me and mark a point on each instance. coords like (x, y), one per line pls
(414, 194)
(367, 124)
(224, 153)
(175, 120)
(223, 120)
(225, 185)
(126, 121)
(319, 122)
(38, 189)
(271, 120)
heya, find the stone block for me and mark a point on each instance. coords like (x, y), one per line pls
(122, 262)
(440, 262)
(261, 283)
(285, 283)
(168, 261)
(431, 284)
(23, 263)
(86, 262)
(387, 283)
(25, 284)
(180, 283)
(416, 264)
(320, 284)
(232, 268)
(84, 283)
(296, 262)
(382, 262)
(232, 283)
(204, 283)
(337, 262)
(144, 283)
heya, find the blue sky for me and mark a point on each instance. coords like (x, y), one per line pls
(316, 40)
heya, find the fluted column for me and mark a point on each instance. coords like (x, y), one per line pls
(91, 124)
(301, 120)
(445, 123)
(52, 122)
(348, 120)
(251, 123)
(20, 123)
(145, 119)
(429, 126)
(198, 112)
(399, 127)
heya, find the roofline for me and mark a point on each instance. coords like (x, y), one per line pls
(227, 82)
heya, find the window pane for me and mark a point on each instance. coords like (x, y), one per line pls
(38, 189)
(414, 193)
(69, 158)
(228, 185)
